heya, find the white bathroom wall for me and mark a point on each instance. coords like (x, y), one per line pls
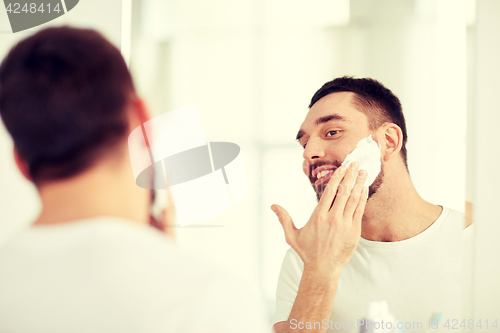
(483, 173)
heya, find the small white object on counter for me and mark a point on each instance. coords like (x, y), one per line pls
(379, 317)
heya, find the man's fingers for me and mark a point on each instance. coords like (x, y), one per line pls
(169, 215)
(331, 190)
(358, 213)
(345, 190)
(168, 224)
(286, 223)
(353, 200)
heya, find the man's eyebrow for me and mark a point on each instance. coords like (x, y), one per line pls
(300, 134)
(328, 118)
(323, 120)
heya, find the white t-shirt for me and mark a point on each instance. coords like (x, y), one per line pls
(419, 278)
(108, 274)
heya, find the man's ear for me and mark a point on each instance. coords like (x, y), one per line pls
(22, 165)
(139, 112)
(392, 141)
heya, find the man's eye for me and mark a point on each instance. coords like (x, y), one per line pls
(304, 146)
(330, 133)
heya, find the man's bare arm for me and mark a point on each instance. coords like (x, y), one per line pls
(314, 302)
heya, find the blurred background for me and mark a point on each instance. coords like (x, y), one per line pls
(252, 66)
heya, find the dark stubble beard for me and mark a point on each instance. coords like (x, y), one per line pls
(372, 189)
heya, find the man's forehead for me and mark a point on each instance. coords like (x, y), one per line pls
(338, 104)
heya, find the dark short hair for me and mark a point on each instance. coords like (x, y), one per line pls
(373, 99)
(63, 98)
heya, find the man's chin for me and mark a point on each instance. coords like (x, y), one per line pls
(319, 190)
(319, 194)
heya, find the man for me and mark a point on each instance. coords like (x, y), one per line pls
(386, 245)
(90, 262)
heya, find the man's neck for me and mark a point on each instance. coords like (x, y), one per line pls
(396, 211)
(107, 189)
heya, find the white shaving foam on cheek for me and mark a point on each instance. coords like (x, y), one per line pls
(367, 154)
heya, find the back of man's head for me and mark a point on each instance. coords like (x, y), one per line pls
(63, 98)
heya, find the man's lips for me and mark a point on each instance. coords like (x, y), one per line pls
(323, 180)
(315, 172)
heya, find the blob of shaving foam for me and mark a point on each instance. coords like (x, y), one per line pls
(367, 154)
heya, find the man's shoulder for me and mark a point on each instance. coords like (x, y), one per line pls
(147, 247)
(457, 219)
(291, 255)
(111, 243)
(116, 255)
(468, 213)
(292, 264)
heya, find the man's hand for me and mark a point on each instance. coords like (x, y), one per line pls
(328, 240)
(166, 222)
(168, 215)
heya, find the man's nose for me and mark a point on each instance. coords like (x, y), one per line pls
(314, 149)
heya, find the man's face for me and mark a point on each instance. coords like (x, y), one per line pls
(331, 130)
